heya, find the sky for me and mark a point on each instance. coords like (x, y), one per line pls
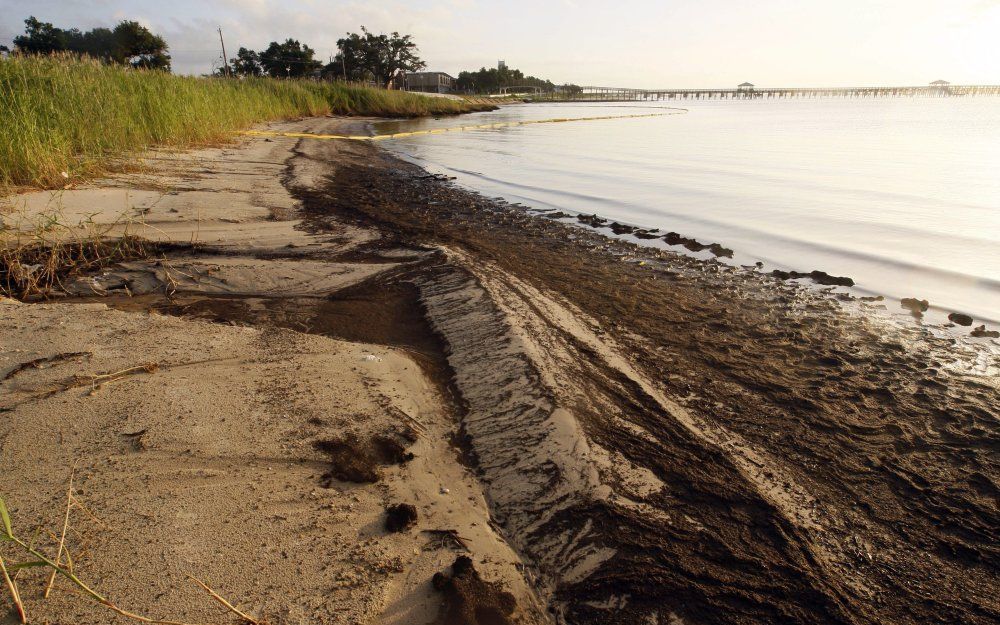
(622, 43)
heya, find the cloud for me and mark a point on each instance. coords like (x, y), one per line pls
(639, 43)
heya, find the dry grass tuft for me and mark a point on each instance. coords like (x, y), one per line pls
(40, 253)
(9, 572)
(32, 271)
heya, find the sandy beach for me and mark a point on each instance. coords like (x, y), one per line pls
(608, 433)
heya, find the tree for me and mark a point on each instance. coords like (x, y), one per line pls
(129, 43)
(135, 45)
(290, 59)
(349, 62)
(246, 63)
(40, 38)
(367, 55)
(99, 43)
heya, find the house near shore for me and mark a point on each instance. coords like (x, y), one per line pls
(428, 82)
(745, 86)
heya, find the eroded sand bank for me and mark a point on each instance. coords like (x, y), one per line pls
(208, 464)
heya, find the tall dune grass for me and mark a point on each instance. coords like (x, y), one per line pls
(64, 114)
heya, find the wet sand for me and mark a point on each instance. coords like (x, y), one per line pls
(652, 437)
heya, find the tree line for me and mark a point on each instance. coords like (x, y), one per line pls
(496, 78)
(128, 43)
(363, 57)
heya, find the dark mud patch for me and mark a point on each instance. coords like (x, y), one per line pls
(389, 450)
(384, 310)
(400, 517)
(352, 459)
(470, 600)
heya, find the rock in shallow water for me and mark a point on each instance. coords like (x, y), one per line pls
(982, 333)
(914, 305)
(960, 319)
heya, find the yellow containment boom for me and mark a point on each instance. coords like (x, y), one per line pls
(433, 131)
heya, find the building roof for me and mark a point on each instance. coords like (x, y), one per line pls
(746, 84)
(940, 83)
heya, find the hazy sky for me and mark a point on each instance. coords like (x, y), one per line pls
(634, 43)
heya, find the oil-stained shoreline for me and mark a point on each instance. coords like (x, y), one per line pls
(790, 462)
(656, 438)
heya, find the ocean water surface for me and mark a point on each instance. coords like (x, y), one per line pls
(902, 195)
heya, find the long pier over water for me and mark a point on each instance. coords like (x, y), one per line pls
(616, 94)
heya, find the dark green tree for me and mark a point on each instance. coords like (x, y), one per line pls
(40, 38)
(99, 43)
(290, 59)
(246, 63)
(129, 43)
(349, 62)
(135, 45)
(363, 56)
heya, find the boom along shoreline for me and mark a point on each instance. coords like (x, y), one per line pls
(434, 131)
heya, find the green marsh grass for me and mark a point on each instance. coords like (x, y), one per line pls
(75, 116)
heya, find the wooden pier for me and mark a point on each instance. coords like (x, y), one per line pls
(614, 94)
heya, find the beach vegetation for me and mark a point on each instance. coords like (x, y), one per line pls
(63, 117)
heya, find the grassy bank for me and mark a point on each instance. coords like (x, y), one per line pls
(69, 115)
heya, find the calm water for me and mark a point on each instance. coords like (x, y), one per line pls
(903, 195)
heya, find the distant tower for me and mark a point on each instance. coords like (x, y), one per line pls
(501, 65)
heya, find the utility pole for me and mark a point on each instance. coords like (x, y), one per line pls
(225, 59)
